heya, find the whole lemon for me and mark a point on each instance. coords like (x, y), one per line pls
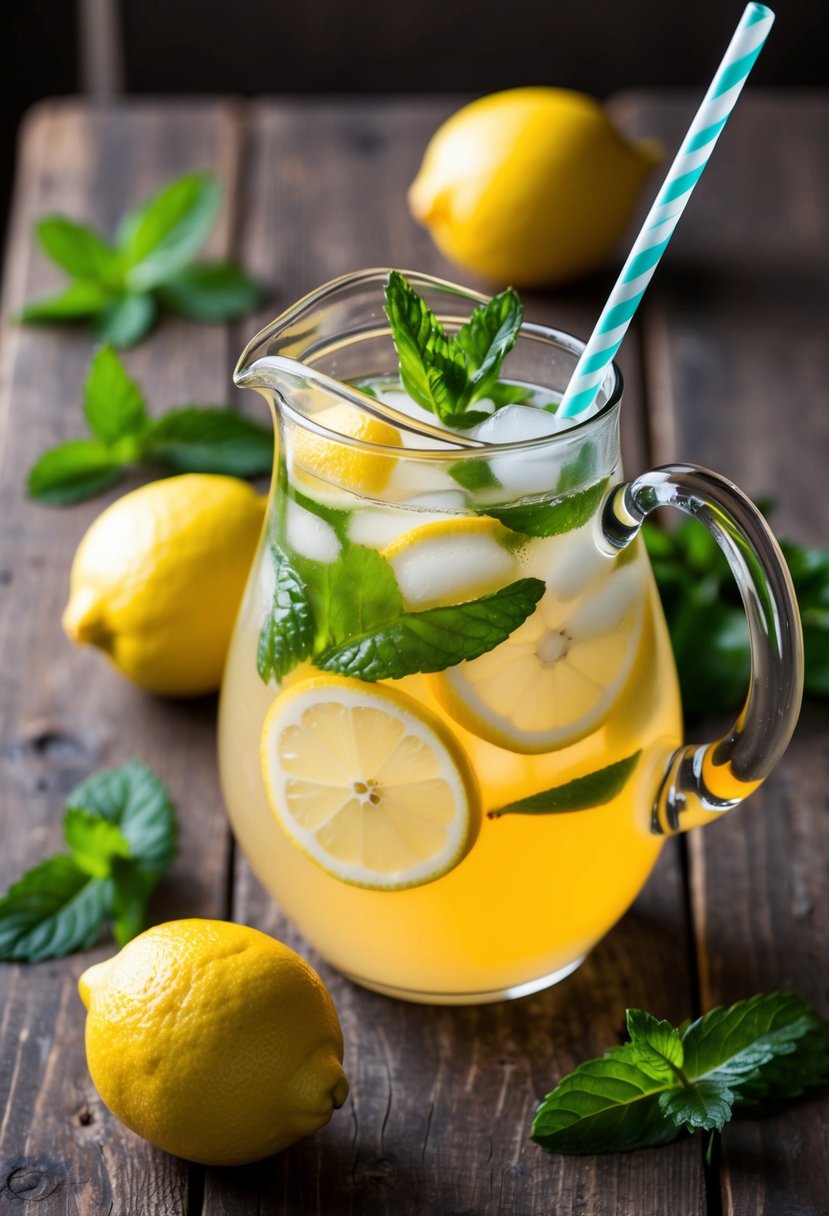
(158, 578)
(213, 1041)
(530, 186)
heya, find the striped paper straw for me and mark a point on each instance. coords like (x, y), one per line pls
(663, 216)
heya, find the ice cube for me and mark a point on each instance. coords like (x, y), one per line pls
(309, 535)
(522, 472)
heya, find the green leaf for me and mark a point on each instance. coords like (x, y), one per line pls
(352, 596)
(198, 440)
(93, 841)
(705, 1106)
(211, 292)
(503, 392)
(769, 1047)
(657, 1044)
(551, 518)
(53, 909)
(486, 338)
(132, 887)
(113, 402)
(73, 471)
(134, 799)
(474, 475)
(75, 303)
(287, 637)
(437, 638)
(78, 250)
(126, 319)
(605, 1105)
(594, 789)
(432, 369)
(166, 231)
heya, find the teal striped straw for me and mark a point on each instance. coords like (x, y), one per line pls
(663, 216)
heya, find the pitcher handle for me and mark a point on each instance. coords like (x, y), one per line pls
(702, 780)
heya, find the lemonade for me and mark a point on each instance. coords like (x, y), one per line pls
(371, 807)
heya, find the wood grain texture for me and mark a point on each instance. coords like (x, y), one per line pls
(65, 712)
(735, 337)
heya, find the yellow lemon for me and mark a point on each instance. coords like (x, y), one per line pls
(213, 1041)
(363, 472)
(530, 186)
(368, 783)
(558, 676)
(158, 577)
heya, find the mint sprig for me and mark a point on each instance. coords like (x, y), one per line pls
(447, 376)
(120, 285)
(192, 439)
(121, 831)
(665, 1081)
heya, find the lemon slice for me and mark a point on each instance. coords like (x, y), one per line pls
(368, 783)
(556, 678)
(450, 561)
(359, 471)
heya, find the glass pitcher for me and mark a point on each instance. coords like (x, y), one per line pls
(450, 727)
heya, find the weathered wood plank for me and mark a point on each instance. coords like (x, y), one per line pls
(441, 1099)
(733, 340)
(64, 712)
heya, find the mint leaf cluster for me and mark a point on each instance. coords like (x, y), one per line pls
(120, 828)
(448, 375)
(192, 439)
(120, 285)
(347, 617)
(667, 1080)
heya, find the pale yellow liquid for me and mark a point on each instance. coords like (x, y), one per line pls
(534, 894)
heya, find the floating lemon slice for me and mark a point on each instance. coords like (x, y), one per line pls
(556, 678)
(450, 561)
(341, 463)
(368, 783)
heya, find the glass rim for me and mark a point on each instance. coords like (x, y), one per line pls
(461, 451)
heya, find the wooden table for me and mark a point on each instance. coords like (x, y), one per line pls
(728, 367)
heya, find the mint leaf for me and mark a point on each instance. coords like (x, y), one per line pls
(605, 1105)
(55, 908)
(76, 302)
(432, 369)
(474, 475)
(769, 1047)
(113, 402)
(503, 392)
(486, 338)
(159, 237)
(126, 319)
(198, 440)
(131, 889)
(287, 636)
(72, 472)
(705, 1105)
(352, 596)
(594, 789)
(551, 518)
(437, 638)
(78, 250)
(657, 1044)
(134, 799)
(210, 292)
(93, 841)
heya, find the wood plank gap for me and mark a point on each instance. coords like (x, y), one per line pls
(195, 1189)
